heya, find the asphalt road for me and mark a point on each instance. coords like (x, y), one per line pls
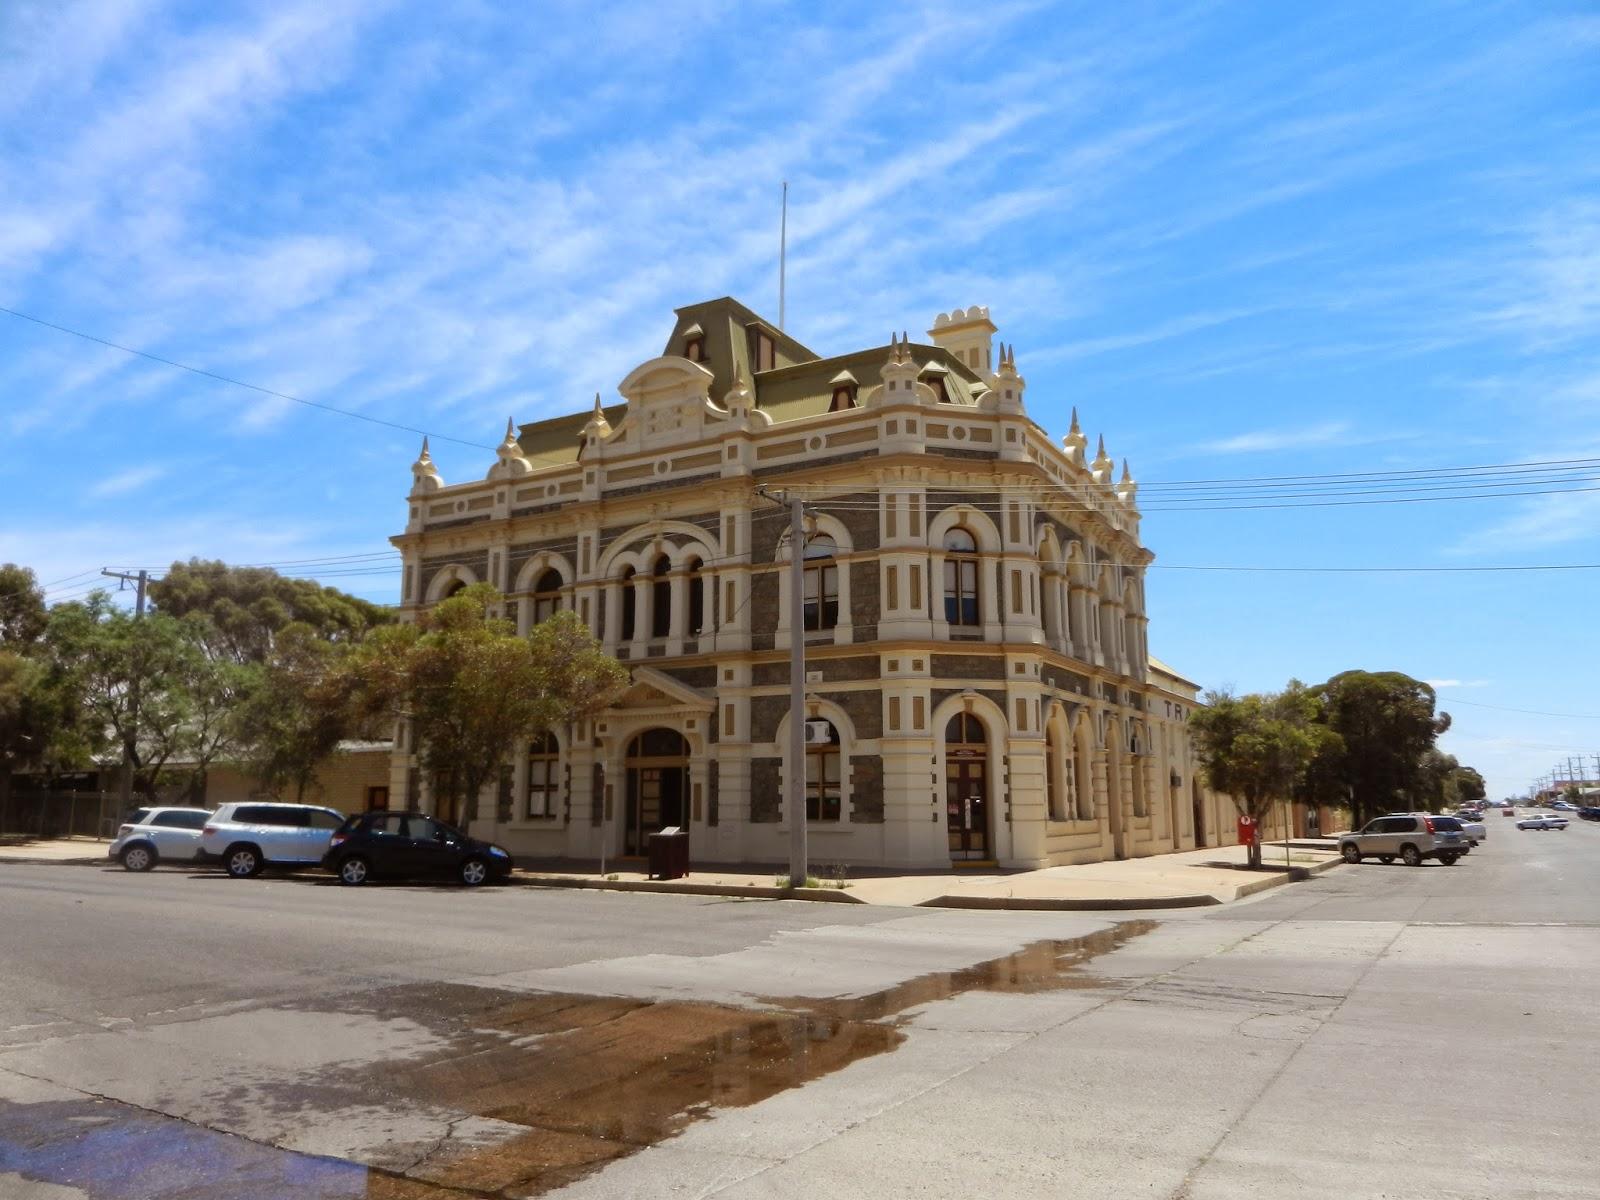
(1379, 1030)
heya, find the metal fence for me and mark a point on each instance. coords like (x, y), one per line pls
(38, 814)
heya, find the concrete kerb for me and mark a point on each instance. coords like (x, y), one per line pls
(671, 886)
(1019, 903)
(1064, 904)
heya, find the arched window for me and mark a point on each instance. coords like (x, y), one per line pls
(1052, 769)
(961, 578)
(544, 777)
(546, 595)
(821, 583)
(697, 599)
(453, 589)
(661, 599)
(694, 349)
(824, 770)
(844, 396)
(1138, 752)
(630, 604)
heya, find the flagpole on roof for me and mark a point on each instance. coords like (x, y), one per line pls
(783, 252)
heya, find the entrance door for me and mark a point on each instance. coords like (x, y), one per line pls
(658, 770)
(967, 789)
(1199, 816)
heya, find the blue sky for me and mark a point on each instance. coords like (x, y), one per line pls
(1243, 240)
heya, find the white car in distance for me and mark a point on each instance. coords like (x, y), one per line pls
(1542, 821)
(154, 835)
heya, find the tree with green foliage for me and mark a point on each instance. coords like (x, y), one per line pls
(1257, 747)
(1470, 786)
(141, 680)
(471, 689)
(22, 609)
(306, 703)
(1386, 725)
(40, 717)
(242, 610)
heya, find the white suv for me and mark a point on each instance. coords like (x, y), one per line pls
(1410, 837)
(152, 835)
(248, 837)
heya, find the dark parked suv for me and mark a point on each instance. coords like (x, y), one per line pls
(409, 845)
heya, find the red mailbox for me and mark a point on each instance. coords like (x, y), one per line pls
(1248, 831)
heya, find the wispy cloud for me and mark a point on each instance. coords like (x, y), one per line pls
(127, 481)
(1437, 684)
(1165, 331)
(1328, 433)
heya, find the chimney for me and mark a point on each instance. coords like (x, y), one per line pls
(966, 333)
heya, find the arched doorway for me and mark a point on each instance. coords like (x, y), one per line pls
(966, 775)
(657, 763)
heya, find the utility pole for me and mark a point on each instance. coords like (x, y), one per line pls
(797, 691)
(796, 798)
(125, 781)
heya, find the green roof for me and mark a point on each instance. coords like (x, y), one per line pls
(800, 385)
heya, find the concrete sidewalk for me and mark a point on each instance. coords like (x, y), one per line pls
(54, 850)
(1188, 879)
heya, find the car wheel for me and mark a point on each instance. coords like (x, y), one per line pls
(138, 858)
(1448, 859)
(1350, 853)
(1411, 856)
(354, 870)
(1386, 859)
(474, 872)
(243, 862)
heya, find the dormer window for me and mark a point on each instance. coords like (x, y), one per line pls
(694, 349)
(844, 392)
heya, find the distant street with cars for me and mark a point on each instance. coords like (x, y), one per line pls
(430, 1040)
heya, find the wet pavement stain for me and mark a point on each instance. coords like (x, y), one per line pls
(107, 1151)
(578, 1081)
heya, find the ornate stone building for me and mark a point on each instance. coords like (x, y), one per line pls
(974, 613)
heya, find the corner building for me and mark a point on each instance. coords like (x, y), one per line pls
(974, 612)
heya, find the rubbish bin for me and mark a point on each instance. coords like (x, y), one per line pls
(669, 853)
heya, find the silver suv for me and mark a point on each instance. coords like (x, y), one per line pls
(249, 837)
(1410, 837)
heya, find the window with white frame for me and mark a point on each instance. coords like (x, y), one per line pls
(544, 777)
(546, 595)
(821, 581)
(824, 773)
(961, 578)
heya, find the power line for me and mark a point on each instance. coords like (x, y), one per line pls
(1531, 464)
(1531, 712)
(239, 383)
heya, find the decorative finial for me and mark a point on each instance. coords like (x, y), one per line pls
(1101, 452)
(1127, 476)
(598, 410)
(424, 453)
(1073, 428)
(511, 429)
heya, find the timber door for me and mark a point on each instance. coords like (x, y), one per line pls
(658, 772)
(966, 775)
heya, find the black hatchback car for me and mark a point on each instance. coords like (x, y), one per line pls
(409, 845)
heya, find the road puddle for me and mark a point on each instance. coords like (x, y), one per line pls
(573, 1081)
